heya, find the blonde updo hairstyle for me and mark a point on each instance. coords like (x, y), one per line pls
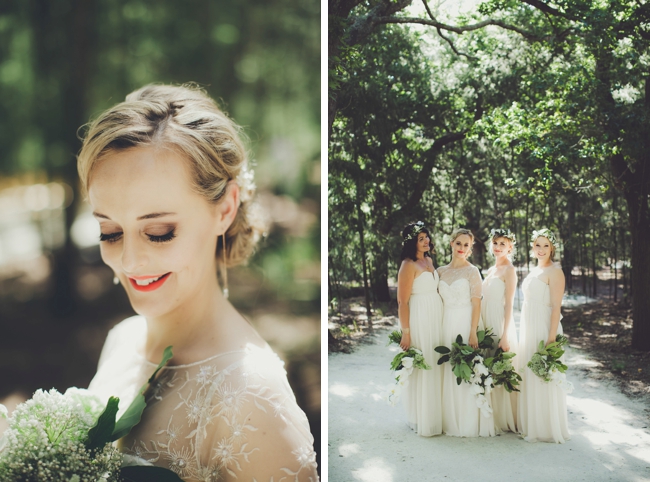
(459, 232)
(187, 120)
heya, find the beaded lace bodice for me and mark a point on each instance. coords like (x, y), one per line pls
(230, 417)
(459, 285)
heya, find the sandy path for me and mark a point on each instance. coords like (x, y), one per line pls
(370, 441)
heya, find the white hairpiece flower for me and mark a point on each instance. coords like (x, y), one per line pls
(417, 227)
(546, 233)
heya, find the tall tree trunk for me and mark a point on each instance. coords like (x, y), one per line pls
(362, 245)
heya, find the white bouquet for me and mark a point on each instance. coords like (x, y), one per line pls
(69, 437)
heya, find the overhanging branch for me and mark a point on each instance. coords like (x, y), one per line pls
(463, 29)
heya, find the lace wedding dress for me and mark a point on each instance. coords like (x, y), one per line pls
(504, 404)
(230, 417)
(542, 412)
(423, 395)
(461, 416)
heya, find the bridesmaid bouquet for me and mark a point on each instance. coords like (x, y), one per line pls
(546, 364)
(69, 437)
(468, 365)
(403, 363)
(502, 371)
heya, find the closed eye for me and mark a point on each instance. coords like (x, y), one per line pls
(162, 238)
(111, 237)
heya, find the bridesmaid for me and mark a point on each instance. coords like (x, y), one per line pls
(460, 289)
(496, 312)
(420, 315)
(542, 414)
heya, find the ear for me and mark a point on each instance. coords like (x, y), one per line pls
(228, 207)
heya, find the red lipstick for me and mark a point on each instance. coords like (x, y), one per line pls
(151, 286)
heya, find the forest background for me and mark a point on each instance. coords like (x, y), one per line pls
(63, 62)
(516, 114)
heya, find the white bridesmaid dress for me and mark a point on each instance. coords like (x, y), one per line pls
(461, 416)
(542, 411)
(423, 395)
(504, 404)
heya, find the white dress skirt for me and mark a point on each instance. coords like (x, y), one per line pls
(422, 397)
(504, 404)
(461, 416)
(542, 412)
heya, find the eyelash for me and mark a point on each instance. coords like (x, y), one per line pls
(114, 237)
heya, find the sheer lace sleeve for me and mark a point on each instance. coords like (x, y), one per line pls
(233, 417)
(475, 283)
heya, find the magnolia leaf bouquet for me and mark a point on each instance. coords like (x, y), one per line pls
(546, 364)
(69, 438)
(403, 363)
(502, 371)
(468, 364)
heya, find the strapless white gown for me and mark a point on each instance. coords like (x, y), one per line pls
(504, 404)
(423, 396)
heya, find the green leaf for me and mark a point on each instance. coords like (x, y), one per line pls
(443, 359)
(140, 473)
(442, 349)
(480, 335)
(466, 371)
(133, 414)
(459, 339)
(100, 434)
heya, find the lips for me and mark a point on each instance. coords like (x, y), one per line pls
(148, 283)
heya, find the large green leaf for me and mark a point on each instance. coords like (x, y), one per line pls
(442, 350)
(100, 434)
(140, 473)
(133, 414)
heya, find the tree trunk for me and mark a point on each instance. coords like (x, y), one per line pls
(362, 245)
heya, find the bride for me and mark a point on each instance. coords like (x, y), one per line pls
(460, 289)
(420, 315)
(165, 173)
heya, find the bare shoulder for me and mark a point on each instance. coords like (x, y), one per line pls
(407, 266)
(556, 270)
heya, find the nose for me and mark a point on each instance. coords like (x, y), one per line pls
(134, 256)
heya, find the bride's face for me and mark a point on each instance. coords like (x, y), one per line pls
(461, 247)
(542, 248)
(157, 235)
(501, 247)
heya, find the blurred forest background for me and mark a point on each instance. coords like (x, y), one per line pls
(516, 114)
(63, 62)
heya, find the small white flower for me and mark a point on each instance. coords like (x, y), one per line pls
(477, 389)
(407, 362)
(481, 369)
(4, 413)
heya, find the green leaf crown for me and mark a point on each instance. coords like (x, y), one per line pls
(547, 233)
(503, 233)
(415, 230)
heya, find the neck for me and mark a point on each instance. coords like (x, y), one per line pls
(192, 329)
(544, 263)
(502, 261)
(457, 262)
(419, 255)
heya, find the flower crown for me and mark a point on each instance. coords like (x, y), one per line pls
(546, 233)
(503, 233)
(415, 230)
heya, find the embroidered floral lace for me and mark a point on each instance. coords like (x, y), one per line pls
(470, 273)
(230, 417)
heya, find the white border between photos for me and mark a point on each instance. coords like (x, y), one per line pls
(323, 243)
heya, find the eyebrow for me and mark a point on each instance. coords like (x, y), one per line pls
(140, 218)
